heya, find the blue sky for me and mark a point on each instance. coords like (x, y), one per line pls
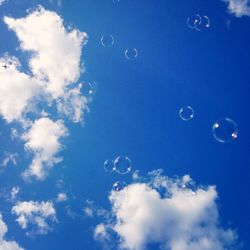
(54, 191)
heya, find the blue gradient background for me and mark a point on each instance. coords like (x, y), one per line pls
(135, 109)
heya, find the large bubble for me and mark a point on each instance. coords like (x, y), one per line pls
(198, 22)
(186, 113)
(122, 165)
(109, 166)
(131, 53)
(225, 130)
(107, 41)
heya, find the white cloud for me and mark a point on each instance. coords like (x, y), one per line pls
(43, 140)
(56, 51)
(61, 197)
(2, 1)
(9, 158)
(37, 214)
(165, 212)
(238, 7)
(14, 192)
(17, 90)
(6, 245)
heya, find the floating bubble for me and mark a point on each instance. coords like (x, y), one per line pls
(198, 22)
(186, 113)
(109, 166)
(225, 130)
(131, 53)
(203, 24)
(193, 20)
(107, 41)
(116, 1)
(86, 88)
(119, 185)
(122, 165)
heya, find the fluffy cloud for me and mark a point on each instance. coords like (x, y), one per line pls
(43, 140)
(37, 214)
(17, 90)
(169, 212)
(2, 1)
(6, 245)
(56, 51)
(9, 158)
(238, 7)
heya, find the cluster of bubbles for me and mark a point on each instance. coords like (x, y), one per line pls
(121, 165)
(108, 41)
(224, 130)
(198, 22)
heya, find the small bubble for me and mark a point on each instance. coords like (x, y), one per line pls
(122, 165)
(131, 53)
(193, 20)
(203, 24)
(119, 185)
(109, 166)
(116, 1)
(86, 88)
(225, 130)
(186, 113)
(107, 41)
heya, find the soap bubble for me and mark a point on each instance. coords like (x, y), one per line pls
(186, 113)
(86, 88)
(122, 165)
(193, 20)
(198, 22)
(119, 185)
(107, 41)
(116, 1)
(225, 130)
(203, 24)
(109, 166)
(131, 53)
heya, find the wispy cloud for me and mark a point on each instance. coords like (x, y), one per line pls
(36, 214)
(4, 244)
(238, 8)
(173, 213)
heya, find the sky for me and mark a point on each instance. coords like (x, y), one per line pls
(124, 125)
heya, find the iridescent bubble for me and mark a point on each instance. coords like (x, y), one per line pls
(131, 53)
(109, 166)
(86, 88)
(225, 130)
(122, 165)
(193, 20)
(119, 185)
(107, 41)
(203, 24)
(186, 113)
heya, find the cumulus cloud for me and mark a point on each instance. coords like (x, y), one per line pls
(17, 90)
(2, 1)
(4, 244)
(36, 214)
(172, 213)
(238, 8)
(56, 51)
(43, 140)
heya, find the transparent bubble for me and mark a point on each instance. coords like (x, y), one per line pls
(119, 185)
(86, 88)
(193, 20)
(131, 53)
(186, 113)
(107, 41)
(122, 165)
(116, 1)
(225, 130)
(203, 24)
(109, 166)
